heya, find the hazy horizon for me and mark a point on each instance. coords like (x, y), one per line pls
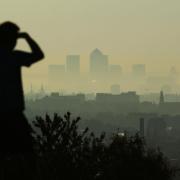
(130, 32)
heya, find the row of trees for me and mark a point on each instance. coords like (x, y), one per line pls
(65, 152)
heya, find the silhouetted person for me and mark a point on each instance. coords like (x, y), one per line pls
(15, 132)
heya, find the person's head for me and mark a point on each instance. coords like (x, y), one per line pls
(8, 35)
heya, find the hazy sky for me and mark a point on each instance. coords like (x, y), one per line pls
(129, 31)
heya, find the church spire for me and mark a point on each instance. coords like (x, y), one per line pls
(161, 101)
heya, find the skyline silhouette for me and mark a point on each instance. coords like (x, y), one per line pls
(130, 32)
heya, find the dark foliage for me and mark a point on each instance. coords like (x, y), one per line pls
(66, 152)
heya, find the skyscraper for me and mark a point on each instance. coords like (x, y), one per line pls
(141, 127)
(73, 64)
(98, 62)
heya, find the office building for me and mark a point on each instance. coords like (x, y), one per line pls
(98, 62)
(73, 64)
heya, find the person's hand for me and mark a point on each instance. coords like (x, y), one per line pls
(23, 35)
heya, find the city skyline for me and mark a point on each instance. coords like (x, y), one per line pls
(103, 101)
(133, 68)
(102, 74)
(130, 32)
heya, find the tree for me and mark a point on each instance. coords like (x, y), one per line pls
(66, 152)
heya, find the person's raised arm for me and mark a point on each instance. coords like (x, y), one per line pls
(36, 52)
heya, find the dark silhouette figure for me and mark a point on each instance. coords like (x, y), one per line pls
(15, 132)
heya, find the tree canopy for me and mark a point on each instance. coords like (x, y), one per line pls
(67, 152)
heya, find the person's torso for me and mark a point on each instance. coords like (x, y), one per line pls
(11, 91)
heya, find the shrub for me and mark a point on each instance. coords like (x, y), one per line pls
(66, 152)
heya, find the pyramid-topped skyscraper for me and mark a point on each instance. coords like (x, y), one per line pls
(98, 62)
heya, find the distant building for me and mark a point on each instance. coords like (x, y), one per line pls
(170, 108)
(155, 97)
(124, 102)
(55, 94)
(90, 97)
(161, 100)
(123, 98)
(115, 89)
(98, 62)
(139, 70)
(141, 127)
(156, 130)
(73, 64)
(67, 99)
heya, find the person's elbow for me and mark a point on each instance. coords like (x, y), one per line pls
(41, 56)
(36, 57)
